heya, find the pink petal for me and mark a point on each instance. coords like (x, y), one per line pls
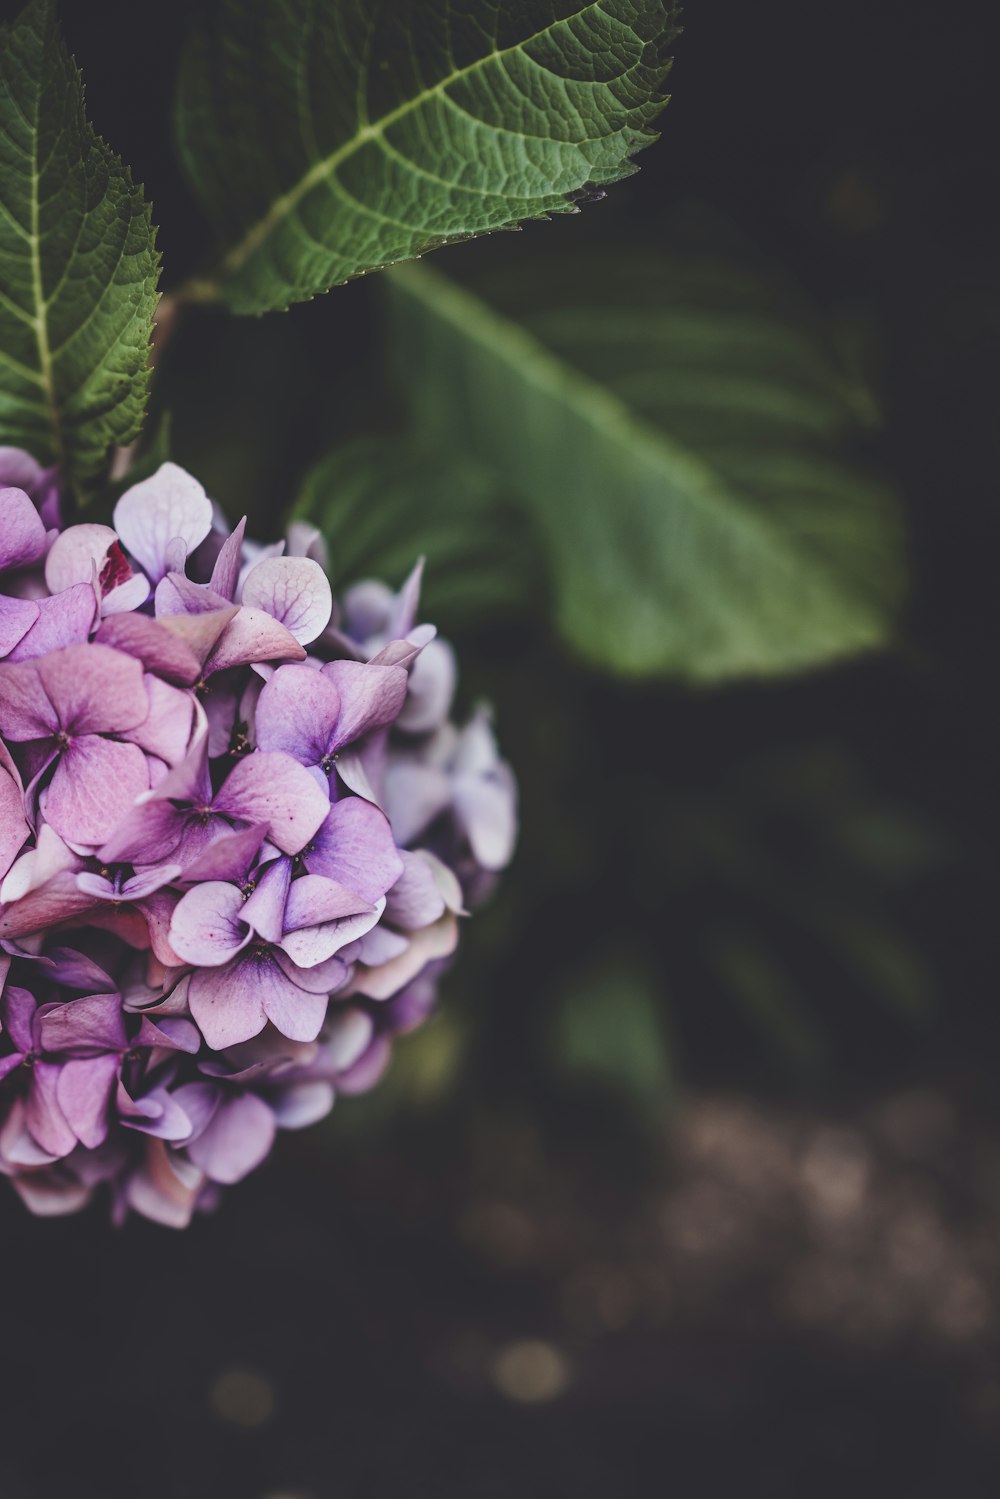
(84, 1092)
(254, 635)
(94, 689)
(167, 506)
(22, 534)
(95, 783)
(42, 1114)
(295, 591)
(25, 711)
(166, 730)
(157, 647)
(436, 941)
(16, 618)
(63, 620)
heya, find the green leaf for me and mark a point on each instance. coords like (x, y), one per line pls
(383, 502)
(78, 267)
(608, 1026)
(682, 445)
(327, 138)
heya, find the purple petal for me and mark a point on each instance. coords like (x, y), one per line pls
(254, 635)
(313, 900)
(312, 945)
(22, 534)
(63, 620)
(166, 730)
(166, 1188)
(230, 856)
(414, 795)
(355, 847)
(228, 1004)
(14, 827)
(94, 689)
(296, 712)
(433, 676)
(238, 1138)
(322, 978)
(276, 790)
(295, 1013)
(431, 942)
(25, 711)
(370, 697)
(264, 912)
(208, 928)
(295, 591)
(301, 1104)
(168, 506)
(16, 618)
(82, 1026)
(158, 648)
(42, 1113)
(347, 1038)
(415, 900)
(226, 572)
(154, 1113)
(17, 1011)
(95, 782)
(83, 1090)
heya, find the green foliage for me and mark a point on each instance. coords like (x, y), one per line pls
(327, 138)
(383, 502)
(681, 444)
(78, 259)
(608, 1026)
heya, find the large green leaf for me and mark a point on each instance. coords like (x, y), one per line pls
(78, 266)
(327, 138)
(383, 502)
(682, 444)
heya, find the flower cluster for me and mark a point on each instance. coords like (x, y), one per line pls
(237, 831)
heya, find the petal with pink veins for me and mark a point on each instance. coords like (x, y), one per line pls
(295, 591)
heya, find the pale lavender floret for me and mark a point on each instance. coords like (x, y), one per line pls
(209, 926)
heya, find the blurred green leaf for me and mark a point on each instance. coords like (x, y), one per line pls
(383, 502)
(78, 263)
(327, 138)
(608, 1027)
(682, 446)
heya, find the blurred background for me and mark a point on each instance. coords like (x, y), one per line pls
(695, 1177)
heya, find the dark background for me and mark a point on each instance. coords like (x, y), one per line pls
(760, 1249)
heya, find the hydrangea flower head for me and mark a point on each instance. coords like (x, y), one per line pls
(237, 832)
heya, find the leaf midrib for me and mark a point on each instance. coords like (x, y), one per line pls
(40, 320)
(255, 236)
(541, 367)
